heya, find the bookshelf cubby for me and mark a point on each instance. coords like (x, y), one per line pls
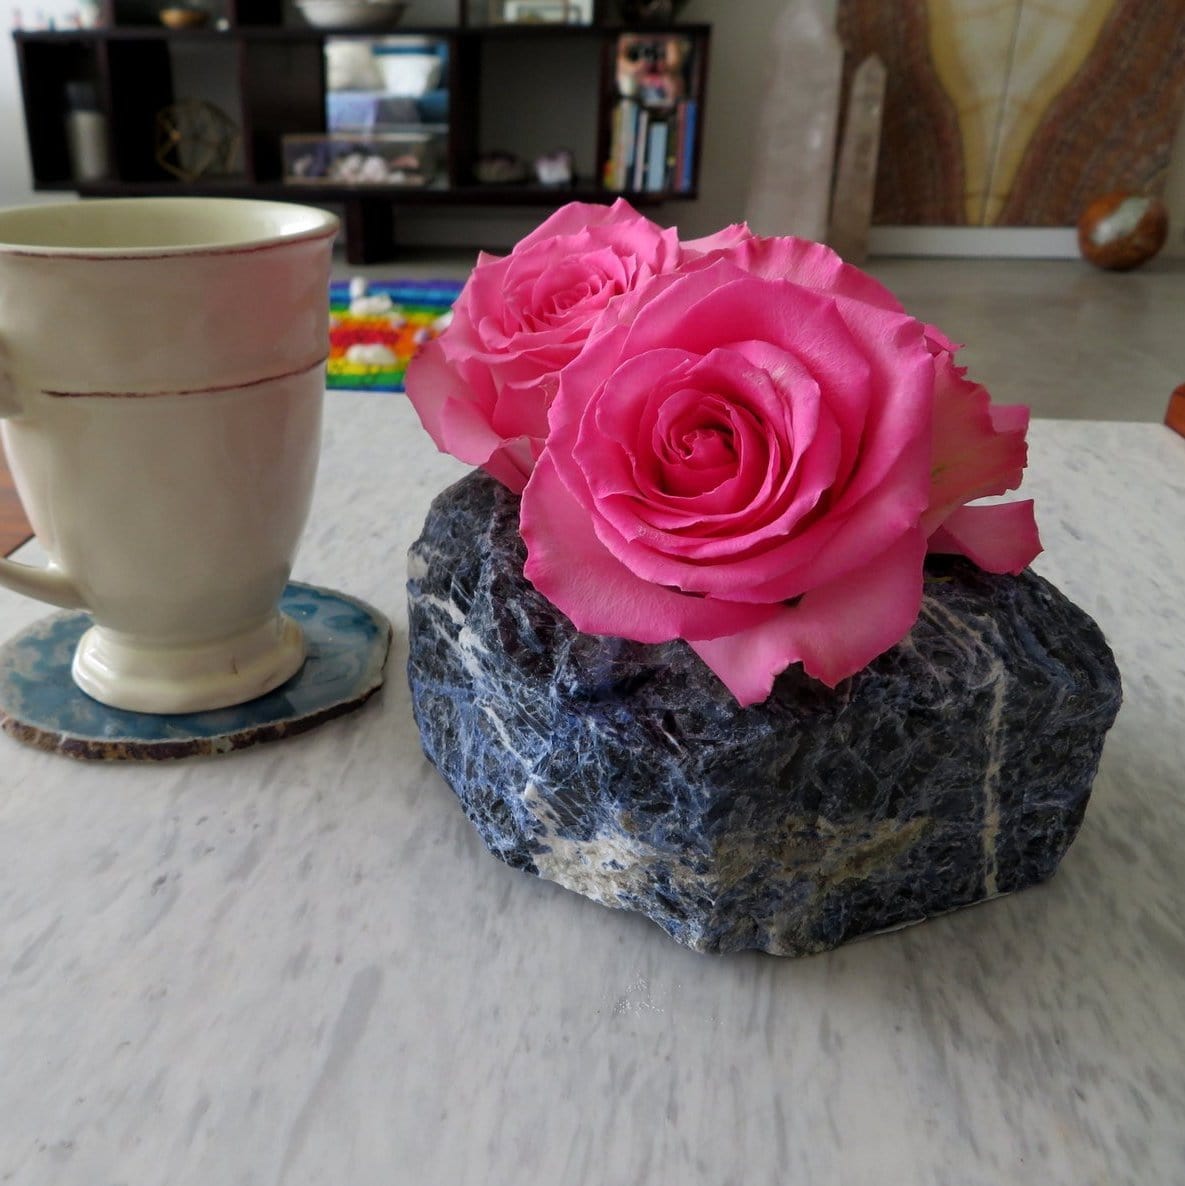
(500, 85)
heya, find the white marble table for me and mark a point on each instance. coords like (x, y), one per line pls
(298, 964)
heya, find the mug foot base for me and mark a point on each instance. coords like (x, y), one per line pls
(122, 673)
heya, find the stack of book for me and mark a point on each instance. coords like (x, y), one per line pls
(655, 117)
(652, 151)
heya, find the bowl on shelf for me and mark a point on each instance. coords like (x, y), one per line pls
(183, 16)
(352, 14)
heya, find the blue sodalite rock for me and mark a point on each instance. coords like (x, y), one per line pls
(955, 768)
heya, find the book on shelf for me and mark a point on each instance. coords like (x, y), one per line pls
(652, 128)
(686, 177)
(629, 132)
(641, 140)
(655, 180)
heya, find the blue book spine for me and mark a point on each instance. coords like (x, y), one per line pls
(685, 181)
(641, 142)
(656, 159)
(629, 137)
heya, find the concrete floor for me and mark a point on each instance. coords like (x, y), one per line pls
(1069, 340)
(1059, 335)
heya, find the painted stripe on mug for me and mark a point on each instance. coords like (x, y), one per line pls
(188, 391)
(103, 255)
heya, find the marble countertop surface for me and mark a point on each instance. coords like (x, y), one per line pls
(297, 964)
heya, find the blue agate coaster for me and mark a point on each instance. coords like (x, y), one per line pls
(41, 705)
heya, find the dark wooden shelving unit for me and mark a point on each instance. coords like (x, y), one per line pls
(281, 88)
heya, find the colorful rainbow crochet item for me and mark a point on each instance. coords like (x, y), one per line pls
(416, 303)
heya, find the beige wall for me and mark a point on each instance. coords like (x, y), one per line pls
(739, 77)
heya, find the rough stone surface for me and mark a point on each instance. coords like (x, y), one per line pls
(954, 769)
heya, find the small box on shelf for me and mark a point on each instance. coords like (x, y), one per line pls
(378, 158)
(482, 13)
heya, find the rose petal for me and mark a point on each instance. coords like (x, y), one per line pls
(512, 462)
(457, 415)
(813, 266)
(522, 411)
(978, 450)
(648, 395)
(526, 315)
(1010, 417)
(887, 493)
(718, 305)
(834, 631)
(575, 217)
(786, 451)
(722, 306)
(1000, 538)
(939, 343)
(889, 490)
(571, 568)
(454, 411)
(730, 237)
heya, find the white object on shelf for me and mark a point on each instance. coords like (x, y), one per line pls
(86, 139)
(408, 75)
(351, 14)
(361, 158)
(350, 65)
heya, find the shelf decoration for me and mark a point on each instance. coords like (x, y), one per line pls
(194, 139)
(722, 634)
(184, 16)
(326, 105)
(366, 158)
(655, 114)
(542, 12)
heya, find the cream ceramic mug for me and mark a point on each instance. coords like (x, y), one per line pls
(161, 381)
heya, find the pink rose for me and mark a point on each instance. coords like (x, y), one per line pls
(483, 388)
(737, 441)
(754, 464)
(979, 450)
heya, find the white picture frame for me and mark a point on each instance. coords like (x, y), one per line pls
(540, 12)
(582, 12)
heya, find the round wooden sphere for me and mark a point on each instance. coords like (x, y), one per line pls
(1121, 231)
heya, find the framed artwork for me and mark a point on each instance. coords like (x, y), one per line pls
(1008, 114)
(542, 12)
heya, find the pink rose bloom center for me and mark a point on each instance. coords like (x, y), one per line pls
(745, 466)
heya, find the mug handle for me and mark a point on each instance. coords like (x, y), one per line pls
(45, 584)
